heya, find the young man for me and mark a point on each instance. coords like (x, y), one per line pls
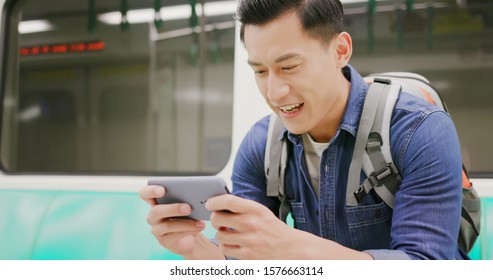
(299, 53)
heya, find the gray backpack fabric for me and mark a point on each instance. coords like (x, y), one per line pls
(372, 152)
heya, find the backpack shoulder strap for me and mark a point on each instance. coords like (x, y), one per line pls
(272, 160)
(275, 161)
(372, 149)
(414, 84)
(376, 159)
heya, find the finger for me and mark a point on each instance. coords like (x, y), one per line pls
(161, 212)
(185, 244)
(150, 193)
(230, 221)
(231, 237)
(175, 226)
(178, 243)
(231, 203)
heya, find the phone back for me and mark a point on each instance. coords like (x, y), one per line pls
(193, 190)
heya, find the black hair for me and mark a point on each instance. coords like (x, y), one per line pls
(321, 19)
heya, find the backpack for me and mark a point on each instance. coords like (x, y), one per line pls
(372, 152)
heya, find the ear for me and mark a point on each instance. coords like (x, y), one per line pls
(344, 49)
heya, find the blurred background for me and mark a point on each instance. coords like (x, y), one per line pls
(137, 88)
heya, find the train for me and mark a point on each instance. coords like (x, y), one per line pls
(99, 96)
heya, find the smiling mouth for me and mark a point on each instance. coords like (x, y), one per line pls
(291, 108)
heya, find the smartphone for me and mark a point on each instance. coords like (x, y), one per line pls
(194, 190)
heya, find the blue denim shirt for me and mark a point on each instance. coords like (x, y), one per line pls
(424, 145)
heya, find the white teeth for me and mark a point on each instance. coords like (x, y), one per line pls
(290, 108)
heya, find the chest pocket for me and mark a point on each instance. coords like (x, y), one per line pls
(369, 226)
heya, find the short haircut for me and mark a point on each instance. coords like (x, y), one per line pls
(321, 19)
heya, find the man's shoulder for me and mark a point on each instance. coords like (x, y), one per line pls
(416, 120)
(256, 137)
(410, 104)
(249, 158)
(260, 127)
(411, 111)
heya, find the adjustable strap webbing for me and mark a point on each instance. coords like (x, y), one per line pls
(380, 168)
(366, 122)
(372, 148)
(276, 157)
(273, 150)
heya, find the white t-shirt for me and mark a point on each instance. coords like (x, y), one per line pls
(313, 155)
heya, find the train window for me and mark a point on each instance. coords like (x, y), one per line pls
(117, 86)
(450, 43)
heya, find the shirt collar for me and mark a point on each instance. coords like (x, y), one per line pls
(354, 106)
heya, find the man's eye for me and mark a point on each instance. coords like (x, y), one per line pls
(259, 72)
(289, 67)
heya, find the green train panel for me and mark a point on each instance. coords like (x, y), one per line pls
(69, 225)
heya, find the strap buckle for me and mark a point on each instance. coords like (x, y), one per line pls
(377, 178)
(382, 81)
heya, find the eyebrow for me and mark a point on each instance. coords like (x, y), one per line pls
(279, 59)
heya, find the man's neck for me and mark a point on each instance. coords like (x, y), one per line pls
(327, 129)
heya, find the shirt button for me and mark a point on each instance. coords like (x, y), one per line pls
(378, 213)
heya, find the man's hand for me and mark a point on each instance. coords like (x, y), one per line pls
(180, 236)
(249, 230)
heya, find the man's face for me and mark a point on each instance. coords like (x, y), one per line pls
(299, 78)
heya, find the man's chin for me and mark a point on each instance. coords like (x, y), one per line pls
(295, 129)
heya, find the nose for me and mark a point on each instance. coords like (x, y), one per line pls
(277, 88)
